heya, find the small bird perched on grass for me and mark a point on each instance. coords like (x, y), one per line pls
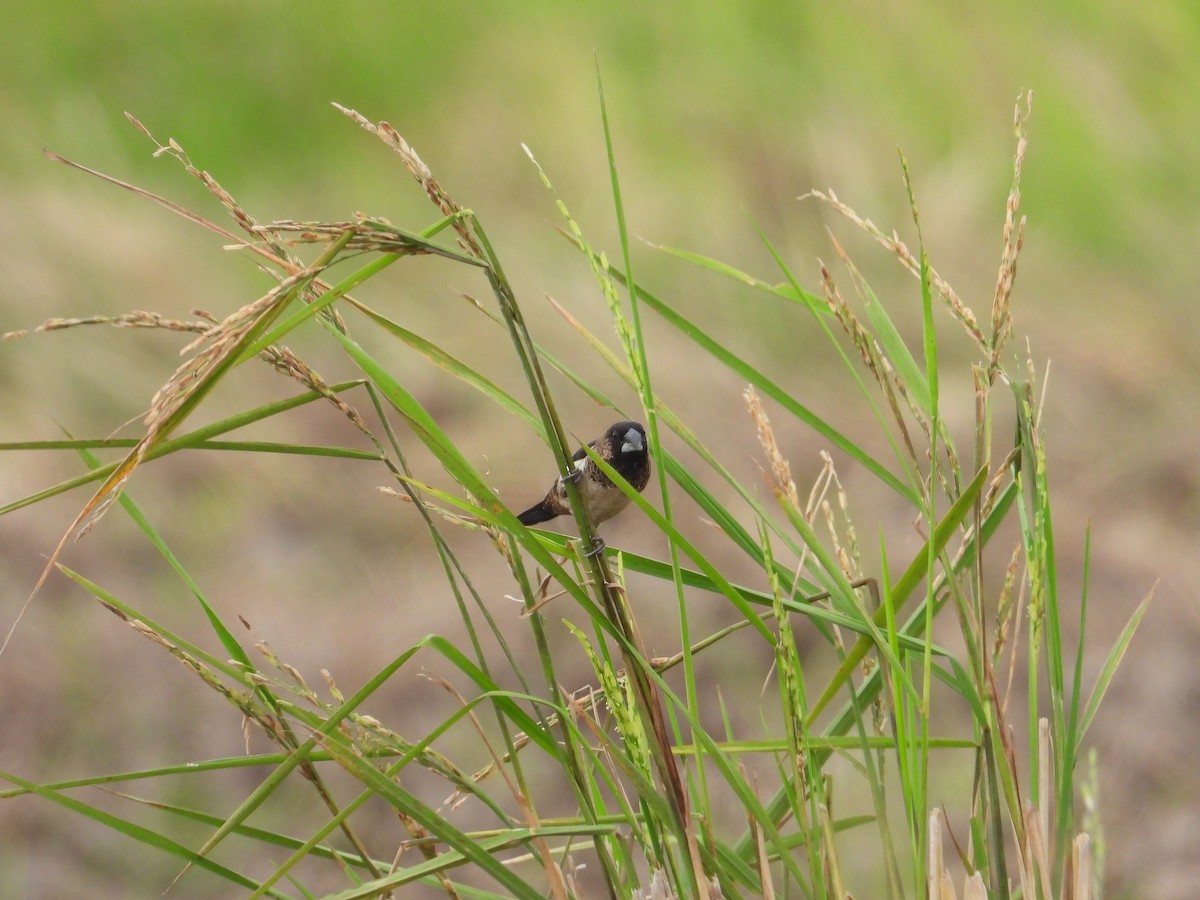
(624, 448)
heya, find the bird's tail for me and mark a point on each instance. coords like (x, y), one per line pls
(535, 514)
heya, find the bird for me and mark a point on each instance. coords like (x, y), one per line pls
(624, 448)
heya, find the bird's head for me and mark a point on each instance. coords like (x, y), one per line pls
(627, 438)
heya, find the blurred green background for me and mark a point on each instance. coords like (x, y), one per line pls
(723, 115)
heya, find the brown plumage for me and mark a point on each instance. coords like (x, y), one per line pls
(624, 448)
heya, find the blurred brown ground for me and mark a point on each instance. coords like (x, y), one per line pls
(718, 124)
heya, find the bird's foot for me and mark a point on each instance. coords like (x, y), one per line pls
(598, 546)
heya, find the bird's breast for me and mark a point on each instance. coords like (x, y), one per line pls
(603, 498)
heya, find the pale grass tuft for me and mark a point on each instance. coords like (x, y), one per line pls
(421, 172)
(221, 340)
(845, 547)
(974, 888)
(781, 472)
(660, 888)
(939, 885)
(1081, 867)
(1006, 605)
(172, 148)
(892, 242)
(135, 319)
(872, 354)
(331, 686)
(1014, 239)
(1033, 851)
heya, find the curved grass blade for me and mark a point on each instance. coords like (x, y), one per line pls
(187, 768)
(454, 366)
(224, 635)
(773, 390)
(785, 289)
(260, 835)
(1111, 662)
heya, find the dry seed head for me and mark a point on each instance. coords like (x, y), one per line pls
(289, 364)
(222, 339)
(265, 649)
(849, 322)
(415, 164)
(839, 549)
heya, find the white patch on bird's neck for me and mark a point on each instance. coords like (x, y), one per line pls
(633, 441)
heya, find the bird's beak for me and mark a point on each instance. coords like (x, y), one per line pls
(633, 441)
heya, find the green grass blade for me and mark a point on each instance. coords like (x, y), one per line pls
(786, 290)
(308, 310)
(455, 367)
(915, 381)
(197, 438)
(132, 615)
(224, 635)
(137, 832)
(1111, 662)
(773, 390)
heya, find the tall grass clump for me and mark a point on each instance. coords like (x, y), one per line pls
(652, 761)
